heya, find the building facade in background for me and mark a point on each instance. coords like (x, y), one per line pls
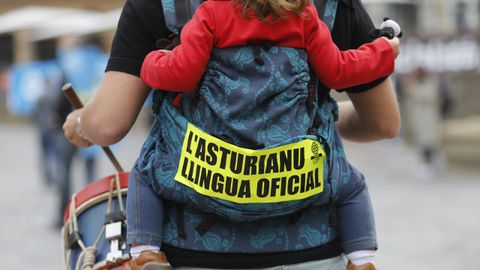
(441, 37)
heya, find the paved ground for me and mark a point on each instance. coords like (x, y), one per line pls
(421, 224)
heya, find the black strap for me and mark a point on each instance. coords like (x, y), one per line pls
(257, 55)
(320, 6)
(322, 91)
(207, 223)
(168, 43)
(183, 12)
(332, 218)
(312, 92)
(179, 214)
(293, 218)
(223, 260)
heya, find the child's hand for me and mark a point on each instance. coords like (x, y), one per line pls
(166, 51)
(395, 43)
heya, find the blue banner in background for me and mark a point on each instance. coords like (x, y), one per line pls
(82, 66)
(28, 82)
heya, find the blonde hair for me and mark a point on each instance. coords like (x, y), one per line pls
(276, 8)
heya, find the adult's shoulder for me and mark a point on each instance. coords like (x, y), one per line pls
(352, 25)
(360, 14)
(143, 5)
(147, 14)
(140, 25)
(352, 29)
(352, 5)
(143, 9)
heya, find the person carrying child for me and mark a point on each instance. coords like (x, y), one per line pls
(259, 27)
(302, 240)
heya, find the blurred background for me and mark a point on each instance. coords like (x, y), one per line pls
(425, 184)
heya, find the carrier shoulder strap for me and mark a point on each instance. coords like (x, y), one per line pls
(327, 10)
(178, 12)
(320, 6)
(183, 11)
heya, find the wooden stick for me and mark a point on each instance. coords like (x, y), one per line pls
(77, 104)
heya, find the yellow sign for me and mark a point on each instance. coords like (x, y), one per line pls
(218, 169)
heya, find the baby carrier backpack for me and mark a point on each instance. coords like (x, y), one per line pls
(253, 141)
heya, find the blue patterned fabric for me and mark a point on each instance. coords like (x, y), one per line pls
(235, 98)
(246, 104)
(273, 234)
(263, 236)
(169, 13)
(251, 105)
(330, 11)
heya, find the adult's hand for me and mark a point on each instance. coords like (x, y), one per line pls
(371, 115)
(72, 129)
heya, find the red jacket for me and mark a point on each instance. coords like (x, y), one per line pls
(221, 24)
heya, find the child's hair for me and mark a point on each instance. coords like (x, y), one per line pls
(276, 8)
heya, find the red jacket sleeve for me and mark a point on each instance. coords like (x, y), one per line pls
(182, 70)
(341, 69)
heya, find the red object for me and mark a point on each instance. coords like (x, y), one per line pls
(95, 189)
(221, 24)
(117, 267)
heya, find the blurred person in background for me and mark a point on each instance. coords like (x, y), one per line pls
(424, 112)
(82, 64)
(56, 153)
(46, 116)
(446, 95)
(3, 82)
(89, 157)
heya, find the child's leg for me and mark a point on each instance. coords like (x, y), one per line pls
(144, 213)
(356, 224)
(144, 226)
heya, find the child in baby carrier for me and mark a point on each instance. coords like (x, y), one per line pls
(194, 66)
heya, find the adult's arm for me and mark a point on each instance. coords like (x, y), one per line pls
(108, 117)
(372, 112)
(341, 69)
(370, 115)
